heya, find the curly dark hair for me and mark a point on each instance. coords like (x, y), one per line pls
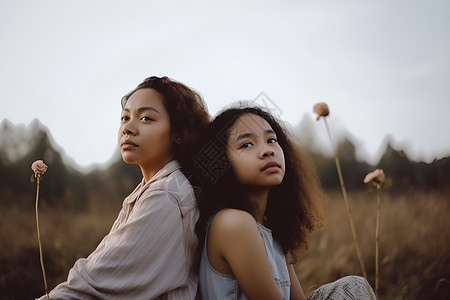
(291, 209)
(188, 113)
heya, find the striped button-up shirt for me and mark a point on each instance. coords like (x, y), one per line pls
(149, 252)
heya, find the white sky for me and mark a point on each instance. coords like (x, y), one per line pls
(383, 67)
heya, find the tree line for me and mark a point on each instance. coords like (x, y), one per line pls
(105, 188)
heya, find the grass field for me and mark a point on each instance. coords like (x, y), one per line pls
(414, 245)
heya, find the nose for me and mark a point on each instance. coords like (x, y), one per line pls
(266, 153)
(128, 128)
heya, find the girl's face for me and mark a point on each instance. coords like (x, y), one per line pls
(145, 137)
(254, 153)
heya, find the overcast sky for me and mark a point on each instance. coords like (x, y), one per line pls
(382, 66)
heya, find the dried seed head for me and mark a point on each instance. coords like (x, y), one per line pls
(321, 109)
(39, 167)
(376, 177)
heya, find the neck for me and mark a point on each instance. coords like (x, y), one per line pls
(149, 171)
(147, 174)
(258, 198)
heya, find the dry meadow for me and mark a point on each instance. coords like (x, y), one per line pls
(414, 245)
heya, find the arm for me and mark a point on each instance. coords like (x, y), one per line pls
(142, 259)
(235, 239)
(296, 289)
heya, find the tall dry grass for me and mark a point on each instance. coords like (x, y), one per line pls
(65, 236)
(414, 244)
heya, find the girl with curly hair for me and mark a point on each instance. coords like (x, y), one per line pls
(259, 201)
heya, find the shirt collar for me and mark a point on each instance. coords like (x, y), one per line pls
(163, 172)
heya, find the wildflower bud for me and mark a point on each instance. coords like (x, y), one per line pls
(376, 176)
(321, 109)
(39, 167)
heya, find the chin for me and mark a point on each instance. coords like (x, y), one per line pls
(270, 183)
(128, 159)
(275, 182)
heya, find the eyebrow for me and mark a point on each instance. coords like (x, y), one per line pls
(141, 109)
(249, 134)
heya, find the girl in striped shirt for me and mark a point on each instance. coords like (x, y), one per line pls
(149, 252)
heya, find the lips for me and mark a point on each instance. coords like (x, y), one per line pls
(270, 164)
(128, 144)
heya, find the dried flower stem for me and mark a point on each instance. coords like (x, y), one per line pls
(377, 237)
(39, 236)
(349, 213)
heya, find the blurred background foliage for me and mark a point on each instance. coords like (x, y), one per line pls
(78, 209)
(66, 187)
(63, 185)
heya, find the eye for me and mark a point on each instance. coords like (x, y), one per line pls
(124, 119)
(272, 140)
(147, 119)
(245, 145)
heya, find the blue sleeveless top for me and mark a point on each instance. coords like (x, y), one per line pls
(214, 285)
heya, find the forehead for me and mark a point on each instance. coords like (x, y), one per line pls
(146, 97)
(249, 123)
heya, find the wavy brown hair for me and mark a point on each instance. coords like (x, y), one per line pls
(187, 111)
(291, 210)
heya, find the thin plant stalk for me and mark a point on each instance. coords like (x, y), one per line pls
(349, 213)
(377, 237)
(39, 237)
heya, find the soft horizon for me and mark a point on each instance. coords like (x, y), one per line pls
(320, 144)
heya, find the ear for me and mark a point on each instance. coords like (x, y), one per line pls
(176, 138)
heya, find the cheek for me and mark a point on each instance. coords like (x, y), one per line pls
(241, 169)
(240, 176)
(119, 134)
(281, 154)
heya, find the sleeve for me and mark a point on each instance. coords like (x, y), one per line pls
(142, 259)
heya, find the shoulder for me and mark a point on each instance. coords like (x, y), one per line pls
(175, 183)
(231, 222)
(232, 216)
(174, 188)
(235, 244)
